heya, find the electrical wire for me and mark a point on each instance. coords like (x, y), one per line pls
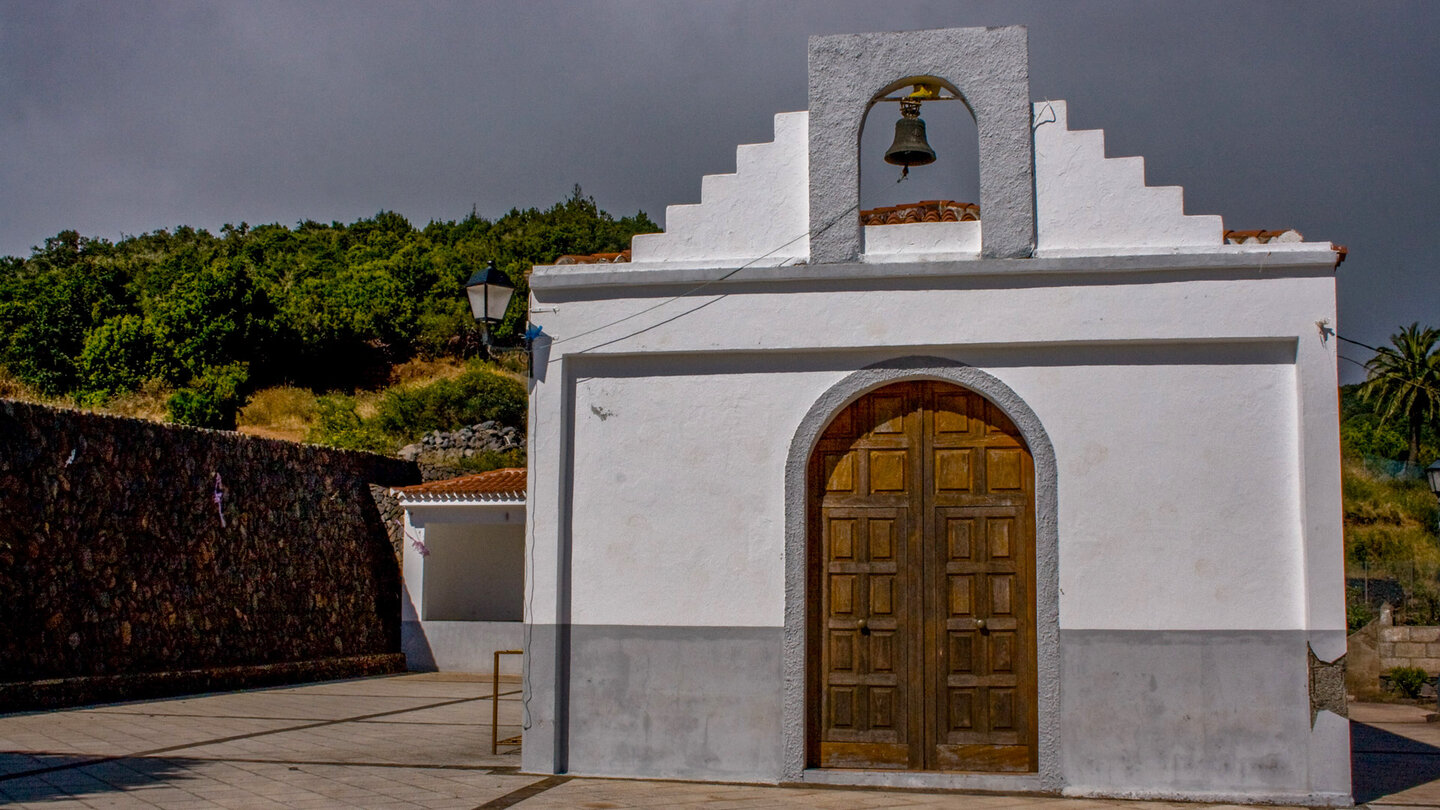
(808, 234)
(1376, 374)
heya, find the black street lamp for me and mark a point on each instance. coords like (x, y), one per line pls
(489, 291)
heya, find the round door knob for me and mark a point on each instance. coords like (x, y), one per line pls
(979, 624)
(863, 625)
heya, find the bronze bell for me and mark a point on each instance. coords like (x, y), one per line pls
(910, 147)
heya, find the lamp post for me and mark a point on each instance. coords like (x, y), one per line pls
(489, 291)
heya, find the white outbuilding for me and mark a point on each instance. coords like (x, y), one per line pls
(1040, 495)
(463, 571)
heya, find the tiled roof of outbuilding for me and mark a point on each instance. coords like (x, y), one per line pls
(507, 484)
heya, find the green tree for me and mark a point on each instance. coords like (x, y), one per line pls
(119, 356)
(1404, 382)
(326, 306)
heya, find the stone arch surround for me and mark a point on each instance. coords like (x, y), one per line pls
(1047, 588)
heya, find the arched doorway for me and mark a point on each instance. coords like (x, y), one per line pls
(921, 633)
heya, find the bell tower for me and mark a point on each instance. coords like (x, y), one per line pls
(989, 66)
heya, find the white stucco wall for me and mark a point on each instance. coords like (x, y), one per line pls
(1158, 476)
(1086, 202)
(1173, 408)
(474, 573)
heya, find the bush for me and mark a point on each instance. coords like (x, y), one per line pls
(478, 395)
(405, 413)
(338, 424)
(211, 400)
(1408, 680)
(1358, 613)
(487, 460)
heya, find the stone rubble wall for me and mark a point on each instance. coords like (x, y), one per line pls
(442, 454)
(121, 575)
(444, 449)
(392, 516)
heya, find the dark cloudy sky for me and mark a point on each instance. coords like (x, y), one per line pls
(124, 117)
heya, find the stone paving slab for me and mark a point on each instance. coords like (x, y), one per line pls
(423, 741)
(1396, 756)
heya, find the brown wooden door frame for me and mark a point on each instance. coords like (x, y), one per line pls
(902, 416)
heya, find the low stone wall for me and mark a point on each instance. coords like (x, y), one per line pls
(1410, 646)
(138, 559)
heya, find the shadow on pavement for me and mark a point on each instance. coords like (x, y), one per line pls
(1382, 763)
(26, 777)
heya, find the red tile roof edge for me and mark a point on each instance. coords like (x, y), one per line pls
(595, 258)
(1261, 237)
(502, 484)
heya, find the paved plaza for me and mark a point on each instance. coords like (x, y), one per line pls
(423, 741)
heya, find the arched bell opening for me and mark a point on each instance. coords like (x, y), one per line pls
(947, 189)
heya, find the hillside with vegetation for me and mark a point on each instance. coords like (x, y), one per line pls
(1389, 432)
(356, 335)
(359, 336)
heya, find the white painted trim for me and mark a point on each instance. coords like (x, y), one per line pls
(1262, 261)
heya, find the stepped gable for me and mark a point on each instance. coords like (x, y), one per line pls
(1086, 203)
(1085, 200)
(760, 210)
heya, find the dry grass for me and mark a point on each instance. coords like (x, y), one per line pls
(286, 412)
(278, 413)
(1394, 519)
(420, 371)
(147, 403)
(11, 387)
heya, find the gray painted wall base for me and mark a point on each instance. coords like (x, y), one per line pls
(1195, 714)
(460, 646)
(676, 702)
(543, 738)
(1214, 715)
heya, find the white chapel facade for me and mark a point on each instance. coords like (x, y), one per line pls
(1046, 500)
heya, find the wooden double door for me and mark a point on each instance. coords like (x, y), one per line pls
(921, 632)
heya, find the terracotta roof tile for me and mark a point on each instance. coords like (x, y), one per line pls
(1262, 237)
(923, 211)
(595, 258)
(504, 484)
